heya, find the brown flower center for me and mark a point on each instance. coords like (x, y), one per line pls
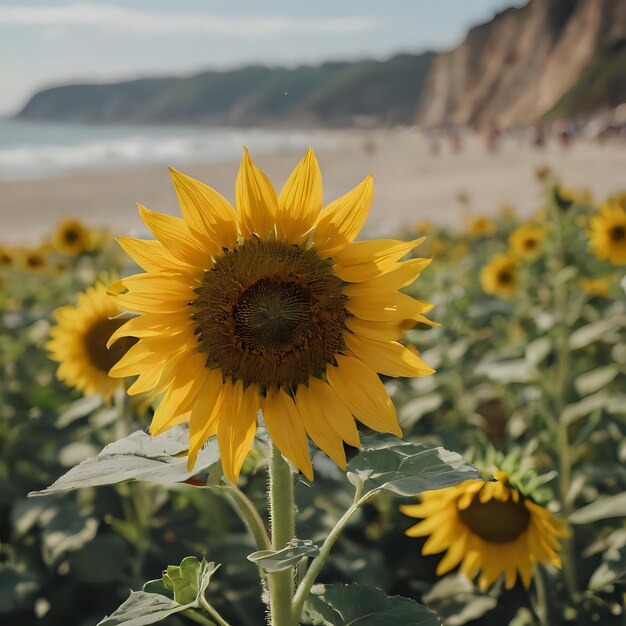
(270, 313)
(496, 521)
(95, 341)
(71, 236)
(618, 233)
(530, 244)
(505, 277)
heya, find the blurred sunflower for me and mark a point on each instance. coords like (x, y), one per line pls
(33, 260)
(525, 241)
(596, 286)
(7, 256)
(619, 199)
(608, 233)
(489, 527)
(499, 276)
(479, 226)
(79, 342)
(72, 237)
(271, 307)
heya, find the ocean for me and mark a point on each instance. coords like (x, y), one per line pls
(45, 149)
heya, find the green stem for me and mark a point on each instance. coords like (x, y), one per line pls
(198, 617)
(282, 511)
(205, 606)
(249, 515)
(561, 307)
(542, 609)
(304, 588)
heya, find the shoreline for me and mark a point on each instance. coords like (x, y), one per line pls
(411, 184)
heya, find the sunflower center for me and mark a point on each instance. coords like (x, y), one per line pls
(530, 244)
(270, 313)
(618, 233)
(496, 521)
(95, 341)
(70, 236)
(505, 277)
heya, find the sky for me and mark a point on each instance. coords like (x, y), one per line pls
(51, 42)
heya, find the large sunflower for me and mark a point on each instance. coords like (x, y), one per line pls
(608, 233)
(79, 342)
(269, 307)
(489, 527)
(499, 276)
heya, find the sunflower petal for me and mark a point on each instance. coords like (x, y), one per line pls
(398, 276)
(257, 204)
(284, 424)
(340, 222)
(300, 200)
(150, 254)
(360, 389)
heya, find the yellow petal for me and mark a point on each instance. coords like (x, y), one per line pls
(151, 255)
(398, 276)
(394, 307)
(206, 413)
(236, 429)
(360, 389)
(340, 222)
(152, 293)
(286, 428)
(318, 423)
(388, 357)
(380, 331)
(175, 235)
(453, 556)
(207, 213)
(300, 200)
(256, 200)
(365, 260)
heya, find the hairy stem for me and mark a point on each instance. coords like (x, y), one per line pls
(250, 516)
(282, 511)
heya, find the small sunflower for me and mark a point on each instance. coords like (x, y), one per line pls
(596, 286)
(79, 342)
(489, 527)
(72, 237)
(7, 256)
(525, 241)
(33, 260)
(479, 226)
(270, 307)
(608, 234)
(499, 276)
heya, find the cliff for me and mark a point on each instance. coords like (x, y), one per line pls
(520, 65)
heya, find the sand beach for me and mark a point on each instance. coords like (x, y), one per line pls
(411, 183)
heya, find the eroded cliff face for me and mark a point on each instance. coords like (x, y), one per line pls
(514, 69)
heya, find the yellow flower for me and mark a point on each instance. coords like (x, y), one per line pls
(619, 199)
(608, 234)
(576, 196)
(7, 256)
(507, 211)
(499, 276)
(596, 286)
(79, 343)
(489, 527)
(479, 225)
(525, 241)
(33, 260)
(270, 307)
(72, 237)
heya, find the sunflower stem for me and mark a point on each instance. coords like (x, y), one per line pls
(308, 580)
(282, 514)
(208, 608)
(248, 513)
(561, 387)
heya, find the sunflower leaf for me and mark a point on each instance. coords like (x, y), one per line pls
(276, 561)
(603, 508)
(158, 460)
(340, 605)
(407, 469)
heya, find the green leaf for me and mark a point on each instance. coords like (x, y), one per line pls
(603, 508)
(352, 605)
(189, 579)
(416, 408)
(595, 379)
(407, 469)
(613, 569)
(276, 561)
(538, 350)
(596, 331)
(143, 608)
(137, 457)
(505, 372)
(584, 407)
(78, 409)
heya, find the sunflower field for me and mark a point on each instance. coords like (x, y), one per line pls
(141, 414)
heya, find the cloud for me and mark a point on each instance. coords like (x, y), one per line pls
(136, 21)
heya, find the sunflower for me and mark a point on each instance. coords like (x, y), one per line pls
(608, 233)
(489, 527)
(79, 342)
(33, 260)
(499, 276)
(596, 286)
(7, 256)
(72, 237)
(525, 241)
(479, 226)
(270, 307)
